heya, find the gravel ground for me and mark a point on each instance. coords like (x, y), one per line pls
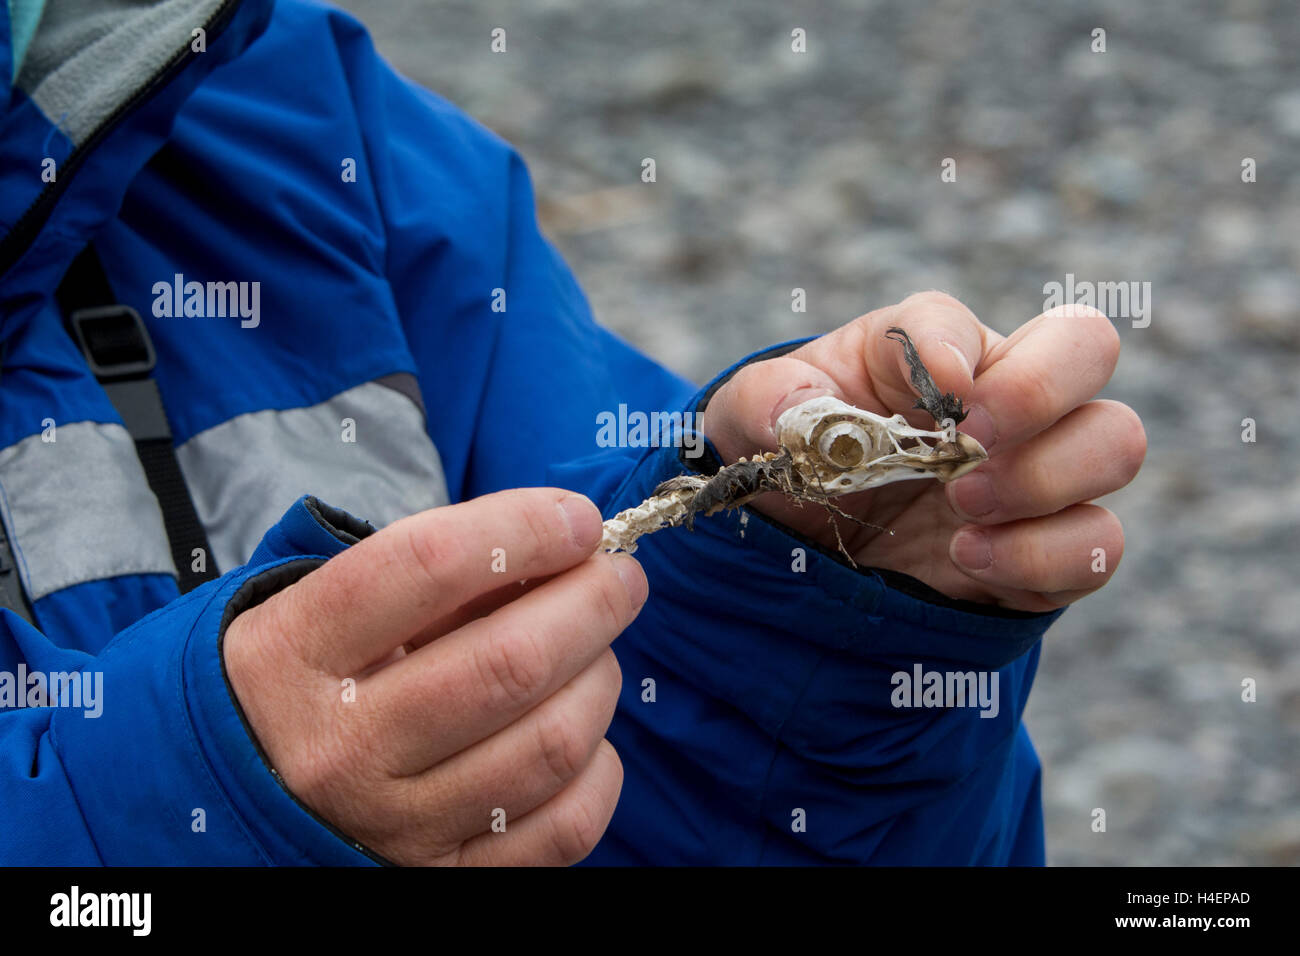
(821, 171)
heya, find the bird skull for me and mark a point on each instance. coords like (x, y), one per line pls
(841, 449)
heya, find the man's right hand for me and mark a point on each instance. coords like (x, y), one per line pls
(472, 697)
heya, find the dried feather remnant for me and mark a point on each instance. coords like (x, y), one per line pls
(941, 407)
(678, 500)
(828, 448)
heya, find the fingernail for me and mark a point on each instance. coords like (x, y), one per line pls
(581, 519)
(961, 357)
(972, 550)
(629, 570)
(974, 495)
(979, 425)
(797, 397)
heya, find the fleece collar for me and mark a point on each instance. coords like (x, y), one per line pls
(23, 17)
(99, 87)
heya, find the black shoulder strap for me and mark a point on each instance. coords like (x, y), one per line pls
(12, 596)
(117, 347)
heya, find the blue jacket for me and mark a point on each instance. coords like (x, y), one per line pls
(404, 288)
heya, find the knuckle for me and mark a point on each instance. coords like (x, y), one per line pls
(607, 597)
(428, 555)
(386, 809)
(1037, 393)
(537, 525)
(1039, 479)
(511, 665)
(1031, 559)
(391, 831)
(561, 745)
(416, 826)
(578, 826)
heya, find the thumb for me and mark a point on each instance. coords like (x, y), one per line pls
(741, 417)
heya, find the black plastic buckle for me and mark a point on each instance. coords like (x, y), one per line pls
(114, 341)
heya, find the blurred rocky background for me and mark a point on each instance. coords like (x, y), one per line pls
(821, 170)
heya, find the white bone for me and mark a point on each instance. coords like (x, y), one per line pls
(803, 429)
(808, 433)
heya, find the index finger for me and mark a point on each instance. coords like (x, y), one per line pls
(948, 338)
(366, 602)
(871, 370)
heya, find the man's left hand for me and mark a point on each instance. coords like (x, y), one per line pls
(1019, 531)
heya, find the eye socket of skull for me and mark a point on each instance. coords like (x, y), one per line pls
(844, 445)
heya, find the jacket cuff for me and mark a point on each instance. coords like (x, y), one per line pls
(171, 701)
